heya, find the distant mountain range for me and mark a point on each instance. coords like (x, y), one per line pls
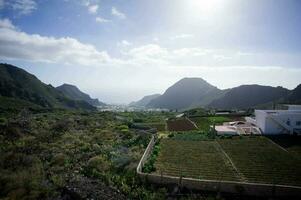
(144, 101)
(20, 87)
(72, 92)
(17, 85)
(196, 92)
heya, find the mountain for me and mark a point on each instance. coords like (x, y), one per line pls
(294, 97)
(19, 84)
(186, 93)
(72, 92)
(249, 96)
(144, 101)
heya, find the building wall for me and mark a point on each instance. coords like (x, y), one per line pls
(270, 126)
(260, 117)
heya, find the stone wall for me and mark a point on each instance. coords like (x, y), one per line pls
(242, 188)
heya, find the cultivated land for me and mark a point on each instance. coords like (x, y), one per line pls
(260, 160)
(182, 124)
(249, 159)
(196, 159)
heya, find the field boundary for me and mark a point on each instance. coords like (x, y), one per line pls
(242, 188)
(241, 176)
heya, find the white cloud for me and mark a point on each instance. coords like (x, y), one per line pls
(150, 53)
(118, 13)
(155, 39)
(6, 23)
(101, 20)
(191, 52)
(221, 57)
(93, 9)
(181, 36)
(23, 7)
(15, 44)
(124, 43)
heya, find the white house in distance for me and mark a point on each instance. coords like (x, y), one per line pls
(278, 121)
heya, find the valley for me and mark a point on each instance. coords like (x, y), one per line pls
(59, 143)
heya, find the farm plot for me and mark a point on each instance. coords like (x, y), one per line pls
(158, 125)
(204, 123)
(260, 160)
(195, 159)
(289, 142)
(182, 124)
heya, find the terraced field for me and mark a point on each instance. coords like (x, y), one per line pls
(259, 160)
(182, 124)
(255, 159)
(196, 159)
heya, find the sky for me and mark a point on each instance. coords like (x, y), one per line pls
(122, 50)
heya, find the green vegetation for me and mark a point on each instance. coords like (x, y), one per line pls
(204, 123)
(25, 87)
(196, 159)
(192, 135)
(254, 158)
(44, 154)
(149, 166)
(259, 160)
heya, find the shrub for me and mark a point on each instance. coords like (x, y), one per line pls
(3, 121)
(59, 159)
(99, 163)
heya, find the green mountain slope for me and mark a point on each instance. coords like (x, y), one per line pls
(19, 84)
(73, 92)
(249, 96)
(188, 92)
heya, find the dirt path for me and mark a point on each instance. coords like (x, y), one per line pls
(239, 174)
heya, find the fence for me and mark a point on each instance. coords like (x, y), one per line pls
(242, 188)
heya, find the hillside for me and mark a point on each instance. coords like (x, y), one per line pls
(144, 101)
(294, 97)
(72, 92)
(188, 92)
(19, 84)
(248, 96)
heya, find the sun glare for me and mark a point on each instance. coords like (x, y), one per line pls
(206, 7)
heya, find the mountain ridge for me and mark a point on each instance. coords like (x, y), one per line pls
(19, 84)
(73, 92)
(197, 92)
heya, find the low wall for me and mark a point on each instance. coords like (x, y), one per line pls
(242, 188)
(146, 154)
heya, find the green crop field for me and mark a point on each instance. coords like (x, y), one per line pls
(197, 159)
(257, 159)
(204, 123)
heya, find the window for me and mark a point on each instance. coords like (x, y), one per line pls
(288, 122)
(298, 123)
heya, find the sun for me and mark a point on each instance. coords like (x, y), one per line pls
(206, 7)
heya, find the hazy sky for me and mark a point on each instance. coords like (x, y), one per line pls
(121, 50)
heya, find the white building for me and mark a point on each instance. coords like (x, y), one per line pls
(278, 121)
(237, 128)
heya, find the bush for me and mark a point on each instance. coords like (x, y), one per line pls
(149, 166)
(59, 159)
(99, 163)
